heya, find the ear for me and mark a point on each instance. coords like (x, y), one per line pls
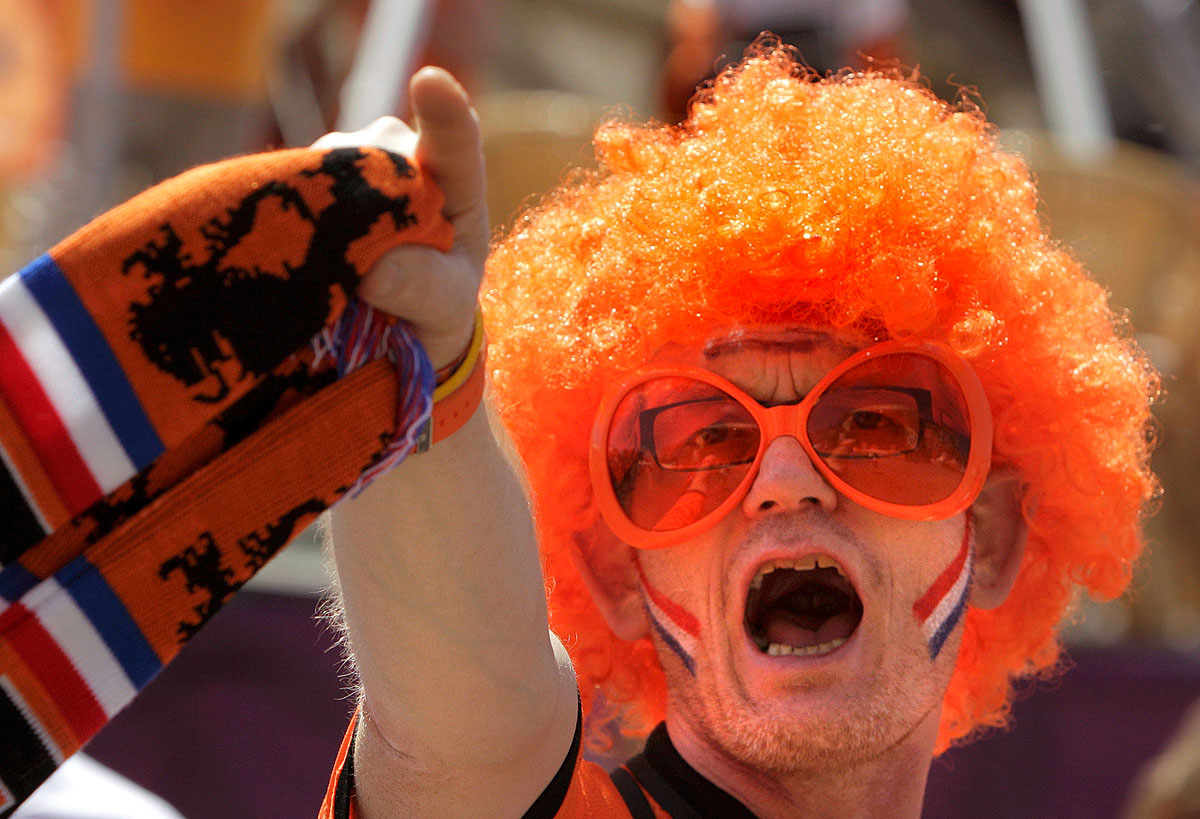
(607, 568)
(999, 538)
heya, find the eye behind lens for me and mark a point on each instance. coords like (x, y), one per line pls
(895, 427)
(677, 448)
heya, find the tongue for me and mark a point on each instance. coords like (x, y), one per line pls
(789, 628)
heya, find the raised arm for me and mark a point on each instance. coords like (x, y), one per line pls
(468, 702)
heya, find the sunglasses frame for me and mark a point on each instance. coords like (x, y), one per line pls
(791, 419)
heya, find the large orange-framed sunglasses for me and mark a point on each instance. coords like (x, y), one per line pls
(901, 427)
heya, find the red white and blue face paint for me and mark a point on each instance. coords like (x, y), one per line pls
(677, 627)
(940, 608)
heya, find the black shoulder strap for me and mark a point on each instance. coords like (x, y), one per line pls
(631, 792)
(663, 793)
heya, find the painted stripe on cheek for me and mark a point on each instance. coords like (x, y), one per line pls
(940, 608)
(676, 626)
(670, 641)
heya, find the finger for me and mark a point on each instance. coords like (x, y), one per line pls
(449, 148)
(432, 290)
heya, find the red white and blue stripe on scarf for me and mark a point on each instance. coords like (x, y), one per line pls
(146, 474)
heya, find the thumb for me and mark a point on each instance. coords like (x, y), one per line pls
(450, 149)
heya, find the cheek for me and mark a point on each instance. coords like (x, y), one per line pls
(677, 627)
(940, 608)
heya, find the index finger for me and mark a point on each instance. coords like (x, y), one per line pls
(449, 148)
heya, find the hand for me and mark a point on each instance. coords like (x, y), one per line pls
(435, 292)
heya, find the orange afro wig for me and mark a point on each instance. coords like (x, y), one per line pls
(855, 202)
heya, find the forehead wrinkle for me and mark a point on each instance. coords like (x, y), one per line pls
(800, 341)
(776, 369)
(796, 368)
(773, 390)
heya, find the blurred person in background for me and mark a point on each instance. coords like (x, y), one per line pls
(129, 93)
(1169, 785)
(704, 35)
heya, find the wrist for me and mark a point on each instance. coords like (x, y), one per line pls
(459, 389)
(444, 373)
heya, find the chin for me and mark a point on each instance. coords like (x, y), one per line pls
(803, 736)
(782, 746)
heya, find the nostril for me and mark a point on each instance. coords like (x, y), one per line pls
(766, 505)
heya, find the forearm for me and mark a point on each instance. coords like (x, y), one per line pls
(445, 602)
(468, 703)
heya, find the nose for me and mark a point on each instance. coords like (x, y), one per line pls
(787, 481)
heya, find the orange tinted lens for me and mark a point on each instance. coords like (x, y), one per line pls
(678, 447)
(895, 427)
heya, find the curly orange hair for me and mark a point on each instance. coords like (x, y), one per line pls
(858, 201)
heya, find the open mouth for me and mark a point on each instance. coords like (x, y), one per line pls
(801, 606)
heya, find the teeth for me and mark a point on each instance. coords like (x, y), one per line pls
(782, 649)
(824, 562)
(801, 564)
(805, 563)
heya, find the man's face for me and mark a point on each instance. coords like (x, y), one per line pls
(801, 629)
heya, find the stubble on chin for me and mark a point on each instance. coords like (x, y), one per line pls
(781, 747)
(765, 740)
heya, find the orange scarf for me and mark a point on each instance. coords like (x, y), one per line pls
(168, 418)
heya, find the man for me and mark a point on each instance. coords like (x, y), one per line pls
(819, 429)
